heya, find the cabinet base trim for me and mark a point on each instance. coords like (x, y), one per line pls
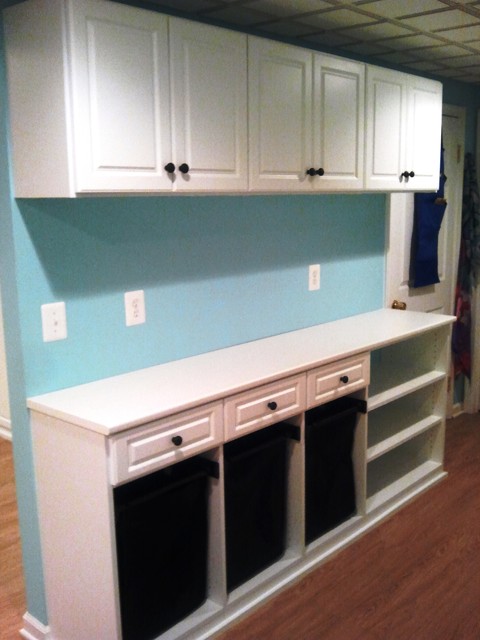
(33, 629)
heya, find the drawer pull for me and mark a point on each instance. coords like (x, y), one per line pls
(177, 440)
(344, 379)
(272, 405)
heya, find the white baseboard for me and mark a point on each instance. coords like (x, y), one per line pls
(33, 629)
(5, 429)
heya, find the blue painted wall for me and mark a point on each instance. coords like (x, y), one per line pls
(216, 271)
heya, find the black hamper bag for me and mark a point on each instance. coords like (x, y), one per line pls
(162, 530)
(329, 476)
(255, 503)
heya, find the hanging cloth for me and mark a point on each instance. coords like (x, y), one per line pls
(468, 270)
(429, 209)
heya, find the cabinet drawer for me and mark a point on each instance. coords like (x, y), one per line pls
(159, 444)
(335, 380)
(263, 406)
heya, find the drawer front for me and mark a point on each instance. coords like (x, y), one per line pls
(263, 406)
(338, 379)
(159, 444)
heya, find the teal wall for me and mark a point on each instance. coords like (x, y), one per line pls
(216, 271)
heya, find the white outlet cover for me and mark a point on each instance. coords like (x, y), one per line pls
(54, 321)
(314, 277)
(134, 308)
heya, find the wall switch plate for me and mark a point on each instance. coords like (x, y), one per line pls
(134, 308)
(54, 321)
(313, 277)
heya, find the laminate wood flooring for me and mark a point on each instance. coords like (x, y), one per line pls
(12, 596)
(415, 577)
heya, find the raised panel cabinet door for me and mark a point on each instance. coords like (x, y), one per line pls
(424, 133)
(120, 97)
(280, 116)
(339, 103)
(386, 113)
(209, 107)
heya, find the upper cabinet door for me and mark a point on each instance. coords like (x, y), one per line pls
(424, 132)
(338, 114)
(404, 118)
(120, 97)
(280, 116)
(386, 129)
(209, 107)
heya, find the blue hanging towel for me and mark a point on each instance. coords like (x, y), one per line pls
(429, 209)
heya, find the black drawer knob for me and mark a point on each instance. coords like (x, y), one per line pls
(272, 405)
(169, 167)
(344, 379)
(311, 172)
(408, 174)
(177, 440)
(184, 168)
(320, 172)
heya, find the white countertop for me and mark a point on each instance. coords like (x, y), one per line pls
(114, 404)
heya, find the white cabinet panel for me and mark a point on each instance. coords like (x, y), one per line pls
(120, 97)
(403, 131)
(209, 106)
(280, 111)
(339, 91)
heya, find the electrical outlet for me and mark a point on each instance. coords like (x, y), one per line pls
(54, 321)
(313, 277)
(134, 308)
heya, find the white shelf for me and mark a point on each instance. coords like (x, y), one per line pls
(388, 388)
(419, 474)
(402, 436)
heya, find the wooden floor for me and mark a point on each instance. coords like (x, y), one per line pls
(415, 577)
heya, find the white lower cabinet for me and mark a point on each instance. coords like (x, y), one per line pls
(152, 521)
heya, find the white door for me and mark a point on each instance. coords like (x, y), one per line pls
(209, 107)
(280, 116)
(5, 424)
(439, 297)
(121, 97)
(338, 116)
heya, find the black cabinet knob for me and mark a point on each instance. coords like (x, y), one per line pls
(311, 172)
(177, 440)
(405, 174)
(184, 168)
(272, 405)
(320, 172)
(408, 174)
(344, 379)
(169, 167)
(412, 174)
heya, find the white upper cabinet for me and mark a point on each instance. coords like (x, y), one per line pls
(109, 98)
(114, 94)
(305, 118)
(209, 107)
(403, 137)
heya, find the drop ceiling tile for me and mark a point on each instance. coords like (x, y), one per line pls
(397, 57)
(378, 31)
(413, 42)
(450, 18)
(397, 8)
(289, 29)
(282, 8)
(329, 39)
(186, 5)
(240, 15)
(462, 61)
(463, 34)
(338, 18)
(431, 67)
(445, 51)
(366, 49)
